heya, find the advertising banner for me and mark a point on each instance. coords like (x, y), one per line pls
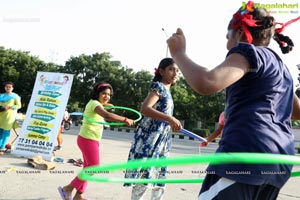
(44, 115)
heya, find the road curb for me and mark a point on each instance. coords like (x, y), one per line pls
(131, 130)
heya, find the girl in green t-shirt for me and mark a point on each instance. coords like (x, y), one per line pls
(90, 135)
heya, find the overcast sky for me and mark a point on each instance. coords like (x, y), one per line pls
(130, 30)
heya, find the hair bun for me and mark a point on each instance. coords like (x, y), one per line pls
(267, 22)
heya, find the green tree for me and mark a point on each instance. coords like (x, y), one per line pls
(21, 68)
(193, 107)
(89, 70)
(130, 88)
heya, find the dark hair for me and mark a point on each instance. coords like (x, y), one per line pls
(285, 43)
(162, 65)
(99, 87)
(8, 83)
(261, 27)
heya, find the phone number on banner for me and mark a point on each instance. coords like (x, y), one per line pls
(35, 142)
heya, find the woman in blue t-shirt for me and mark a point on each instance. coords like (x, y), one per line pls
(260, 103)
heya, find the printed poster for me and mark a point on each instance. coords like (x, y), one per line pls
(44, 115)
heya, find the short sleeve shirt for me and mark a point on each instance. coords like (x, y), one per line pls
(165, 102)
(89, 129)
(258, 112)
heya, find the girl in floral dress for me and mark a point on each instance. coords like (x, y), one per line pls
(152, 137)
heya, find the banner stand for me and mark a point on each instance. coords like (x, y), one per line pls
(44, 115)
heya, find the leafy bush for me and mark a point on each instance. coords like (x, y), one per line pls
(296, 123)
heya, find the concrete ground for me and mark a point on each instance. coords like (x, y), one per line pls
(19, 181)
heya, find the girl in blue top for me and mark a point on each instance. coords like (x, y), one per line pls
(152, 137)
(10, 102)
(260, 103)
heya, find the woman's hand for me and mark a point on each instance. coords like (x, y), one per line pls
(177, 43)
(203, 144)
(7, 107)
(175, 124)
(129, 122)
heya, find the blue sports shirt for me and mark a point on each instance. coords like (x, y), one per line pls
(258, 118)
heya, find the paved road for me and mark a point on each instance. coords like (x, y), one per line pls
(20, 181)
